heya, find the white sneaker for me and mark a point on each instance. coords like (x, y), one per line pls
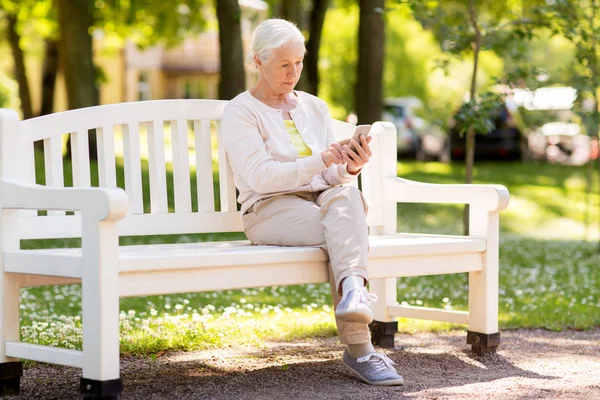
(355, 306)
(374, 368)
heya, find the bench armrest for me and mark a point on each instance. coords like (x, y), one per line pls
(103, 204)
(489, 197)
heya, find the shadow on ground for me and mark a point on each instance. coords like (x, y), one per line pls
(531, 364)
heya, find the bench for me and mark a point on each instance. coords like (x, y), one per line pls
(107, 271)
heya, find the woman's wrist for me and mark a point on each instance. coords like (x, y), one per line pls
(353, 171)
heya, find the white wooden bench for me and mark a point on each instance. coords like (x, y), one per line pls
(102, 214)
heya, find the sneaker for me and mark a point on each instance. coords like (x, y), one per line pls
(355, 306)
(374, 368)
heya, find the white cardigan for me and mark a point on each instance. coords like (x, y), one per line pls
(263, 159)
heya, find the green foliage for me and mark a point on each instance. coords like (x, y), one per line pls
(8, 88)
(501, 28)
(579, 22)
(408, 70)
(338, 59)
(477, 114)
(409, 53)
(148, 21)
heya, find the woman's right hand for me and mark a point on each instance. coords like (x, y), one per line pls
(331, 156)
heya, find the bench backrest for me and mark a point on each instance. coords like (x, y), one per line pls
(178, 136)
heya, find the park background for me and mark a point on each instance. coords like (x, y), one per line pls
(457, 57)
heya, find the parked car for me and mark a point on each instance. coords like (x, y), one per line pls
(417, 138)
(505, 141)
(561, 142)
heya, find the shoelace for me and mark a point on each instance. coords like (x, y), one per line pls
(368, 297)
(379, 360)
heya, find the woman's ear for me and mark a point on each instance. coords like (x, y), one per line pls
(257, 62)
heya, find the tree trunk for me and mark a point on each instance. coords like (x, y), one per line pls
(292, 11)
(20, 69)
(371, 35)
(75, 21)
(233, 76)
(310, 81)
(470, 139)
(49, 71)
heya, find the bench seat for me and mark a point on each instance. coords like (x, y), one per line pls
(211, 265)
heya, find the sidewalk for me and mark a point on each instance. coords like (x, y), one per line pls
(529, 365)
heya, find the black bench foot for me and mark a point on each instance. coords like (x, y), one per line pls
(10, 377)
(92, 389)
(483, 343)
(382, 333)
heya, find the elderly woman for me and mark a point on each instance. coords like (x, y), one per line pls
(289, 168)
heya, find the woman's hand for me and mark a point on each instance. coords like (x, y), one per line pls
(332, 156)
(355, 155)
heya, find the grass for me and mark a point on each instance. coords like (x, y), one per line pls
(548, 277)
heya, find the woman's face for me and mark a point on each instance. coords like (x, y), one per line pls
(282, 71)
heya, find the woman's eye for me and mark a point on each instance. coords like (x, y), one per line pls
(298, 62)
(285, 65)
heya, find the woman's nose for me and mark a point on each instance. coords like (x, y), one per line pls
(294, 71)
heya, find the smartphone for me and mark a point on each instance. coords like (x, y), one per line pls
(361, 130)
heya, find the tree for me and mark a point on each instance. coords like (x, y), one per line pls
(49, 72)
(493, 26)
(579, 21)
(11, 11)
(292, 11)
(233, 76)
(371, 35)
(311, 60)
(75, 24)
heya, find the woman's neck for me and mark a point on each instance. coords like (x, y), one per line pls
(263, 93)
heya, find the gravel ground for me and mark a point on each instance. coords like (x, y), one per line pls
(529, 365)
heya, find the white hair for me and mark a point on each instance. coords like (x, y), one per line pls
(273, 34)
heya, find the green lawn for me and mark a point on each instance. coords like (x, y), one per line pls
(549, 276)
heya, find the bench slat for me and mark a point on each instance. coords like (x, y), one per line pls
(434, 314)
(37, 263)
(157, 169)
(134, 225)
(80, 157)
(194, 267)
(204, 175)
(119, 114)
(388, 253)
(29, 174)
(47, 354)
(133, 168)
(53, 165)
(107, 174)
(226, 185)
(181, 166)
(370, 179)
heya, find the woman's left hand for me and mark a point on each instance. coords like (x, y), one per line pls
(356, 156)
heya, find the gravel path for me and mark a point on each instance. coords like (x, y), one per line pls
(529, 365)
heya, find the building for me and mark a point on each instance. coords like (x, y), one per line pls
(190, 70)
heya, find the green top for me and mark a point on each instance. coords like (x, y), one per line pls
(301, 147)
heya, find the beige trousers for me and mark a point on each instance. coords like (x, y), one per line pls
(335, 220)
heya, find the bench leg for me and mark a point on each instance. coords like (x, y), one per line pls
(10, 377)
(483, 343)
(11, 369)
(483, 335)
(383, 327)
(95, 389)
(100, 310)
